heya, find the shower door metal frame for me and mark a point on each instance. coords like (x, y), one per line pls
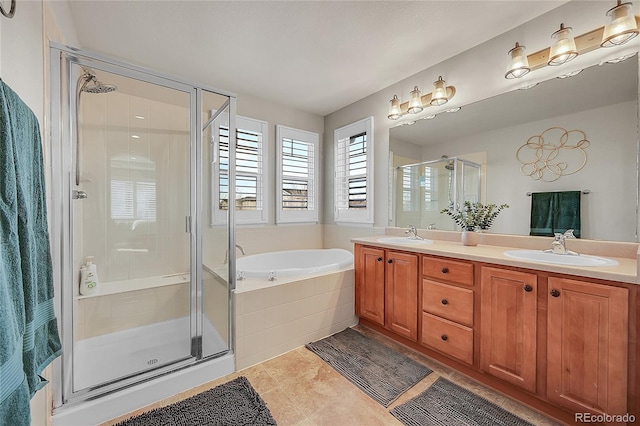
(61, 213)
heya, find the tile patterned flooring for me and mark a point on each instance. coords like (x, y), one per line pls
(302, 390)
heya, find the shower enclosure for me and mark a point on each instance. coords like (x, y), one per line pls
(131, 191)
(422, 190)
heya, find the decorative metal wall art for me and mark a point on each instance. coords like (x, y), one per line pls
(555, 152)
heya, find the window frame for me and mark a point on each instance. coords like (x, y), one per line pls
(341, 186)
(307, 215)
(242, 217)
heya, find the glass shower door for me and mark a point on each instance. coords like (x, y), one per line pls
(131, 211)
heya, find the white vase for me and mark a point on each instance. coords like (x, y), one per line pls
(470, 238)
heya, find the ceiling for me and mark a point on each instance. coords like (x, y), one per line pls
(315, 56)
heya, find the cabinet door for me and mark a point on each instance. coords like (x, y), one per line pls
(508, 326)
(402, 294)
(587, 332)
(370, 284)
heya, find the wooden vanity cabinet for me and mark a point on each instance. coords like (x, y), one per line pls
(560, 344)
(447, 307)
(587, 346)
(387, 289)
(402, 294)
(370, 283)
(508, 331)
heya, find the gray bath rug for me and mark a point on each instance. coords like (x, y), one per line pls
(232, 403)
(445, 403)
(379, 371)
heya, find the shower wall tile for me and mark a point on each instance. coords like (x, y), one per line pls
(308, 309)
(122, 311)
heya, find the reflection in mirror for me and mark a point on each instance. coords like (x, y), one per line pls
(424, 189)
(601, 101)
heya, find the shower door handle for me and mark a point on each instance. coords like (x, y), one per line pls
(79, 195)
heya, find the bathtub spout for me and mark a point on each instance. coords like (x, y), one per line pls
(226, 253)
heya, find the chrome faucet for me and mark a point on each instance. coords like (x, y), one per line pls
(558, 246)
(412, 233)
(226, 253)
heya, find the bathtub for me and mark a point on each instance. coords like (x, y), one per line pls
(291, 263)
(311, 297)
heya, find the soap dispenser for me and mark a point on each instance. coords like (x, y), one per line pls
(88, 277)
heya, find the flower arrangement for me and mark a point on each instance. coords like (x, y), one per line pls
(473, 216)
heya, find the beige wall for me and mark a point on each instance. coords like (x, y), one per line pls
(477, 74)
(24, 52)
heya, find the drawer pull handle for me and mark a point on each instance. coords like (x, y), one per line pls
(528, 288)
(389, 261)
(379, 259)
(444, 337)
(444, 301)
(445, 270)
(555, 293)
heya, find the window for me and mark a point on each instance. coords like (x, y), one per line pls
(297, 177)
(430, 184)
(354, 172)
(133, 189)
(251, 149)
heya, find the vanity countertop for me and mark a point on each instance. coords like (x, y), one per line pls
(626, 270)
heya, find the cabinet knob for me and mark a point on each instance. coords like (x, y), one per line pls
(555, 293)
(528, 288)
(445, 270)
(444, 337)
(379, 259)
(389, 261)
(444, 301)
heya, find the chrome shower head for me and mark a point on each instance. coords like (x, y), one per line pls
(449, 165)
(92, 85)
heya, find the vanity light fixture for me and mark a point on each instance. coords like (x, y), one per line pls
(564, 47)
(456, 109)
(519, 63)
(395, 111)
(622, 28)
(418, 102)
(439, 96)
(415, 104)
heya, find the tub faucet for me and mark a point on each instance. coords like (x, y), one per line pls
(558, 246)
(226, 253)
(412, 233)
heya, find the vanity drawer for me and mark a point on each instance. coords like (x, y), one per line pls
(447, 337)
(458, 272)
(447, 301)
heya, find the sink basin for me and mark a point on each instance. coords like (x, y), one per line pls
(560, 259)
(402, 240)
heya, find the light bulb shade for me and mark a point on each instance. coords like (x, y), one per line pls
(564, 46)
(415, 103)
(439, 95)
(394, 108)
(622, 28)
(519, 65)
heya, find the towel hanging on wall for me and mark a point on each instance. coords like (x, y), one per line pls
(553, 212)
(29, 338)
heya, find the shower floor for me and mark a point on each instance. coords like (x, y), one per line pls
(112, 356)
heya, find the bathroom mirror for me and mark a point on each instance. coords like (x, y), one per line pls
(601, 101)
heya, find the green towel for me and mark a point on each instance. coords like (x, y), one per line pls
(553, 212)
(29, 338)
